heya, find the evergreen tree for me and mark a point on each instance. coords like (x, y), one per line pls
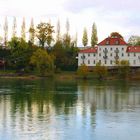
(67, 27)
(58, 36)
(14, 28)
(94, 38)
(5, 31)
(32, 32)
(23, 34)
(85, 37)
(67, 37)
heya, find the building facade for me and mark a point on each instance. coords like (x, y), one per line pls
(109, 51)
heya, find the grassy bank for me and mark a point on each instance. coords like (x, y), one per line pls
(72, 75)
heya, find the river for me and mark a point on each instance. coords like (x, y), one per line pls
(69, 110)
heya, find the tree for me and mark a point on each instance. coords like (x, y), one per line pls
(23, 34)
(85, 37)
(67, 37)
(44, 33)
(14, 28)
(100, 71)
(123, 68)
(67, 27)
(116, 34)
(20, 53)
(5, 32)
(58, 36)
(83, 71)
(50, 31)
(42, 61)
(67, 40)
(32, 32)
(94, 38)
(134, 40)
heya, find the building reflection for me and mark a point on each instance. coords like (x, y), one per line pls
(44, 107)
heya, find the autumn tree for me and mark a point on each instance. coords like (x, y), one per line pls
(123, 68)
(44, 33)
(5, 31)
(23, 28)
(85, 37)
(83, 71)
(100, 71)
(32, 32)
(42, 62)
(116, 34)
(94, 38)
(14, 28)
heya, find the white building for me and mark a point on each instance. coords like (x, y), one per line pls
(108, 51)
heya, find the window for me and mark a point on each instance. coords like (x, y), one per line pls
(88, 54)
(122, 49)
(94, 62)
(117, 42)
(128, 54)
(134, 62)
(99, 54)
(134, 54)
(107, 42)
(100, 61)
(100, 49)
(122, 54)
(111, 49)
(94, 54)
(111, 54)
(105, 62)
(88, 61)
(111, 62)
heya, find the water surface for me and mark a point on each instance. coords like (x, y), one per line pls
(69, 110)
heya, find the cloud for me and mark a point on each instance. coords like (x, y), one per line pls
(107, 5)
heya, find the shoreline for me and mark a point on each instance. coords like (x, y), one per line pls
(67, 76)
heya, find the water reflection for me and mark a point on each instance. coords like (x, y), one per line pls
(48, 109)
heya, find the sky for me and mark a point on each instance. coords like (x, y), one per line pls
(122, 16)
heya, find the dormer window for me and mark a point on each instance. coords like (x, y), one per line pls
(107, 42)
(116, 42)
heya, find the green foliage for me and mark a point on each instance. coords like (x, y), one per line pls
(123, 68)
(85, 37)
(65, 58)
(66, 40)
(94, 38)
(44, 33)
(83, 71)
(32, 32)
(42, 61)
(23, 34)
(100, 71)
(20, 54)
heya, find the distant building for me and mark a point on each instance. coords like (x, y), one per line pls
(108, 51)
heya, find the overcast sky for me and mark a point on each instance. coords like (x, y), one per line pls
(121, 15)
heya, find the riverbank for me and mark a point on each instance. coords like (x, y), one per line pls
(65, 75)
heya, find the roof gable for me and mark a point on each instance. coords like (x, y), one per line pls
(112, 41)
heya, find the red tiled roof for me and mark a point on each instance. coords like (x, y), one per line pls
(112, 41)
(89, 50)
(135, 49)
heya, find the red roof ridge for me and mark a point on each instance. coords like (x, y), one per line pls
(89, 50)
